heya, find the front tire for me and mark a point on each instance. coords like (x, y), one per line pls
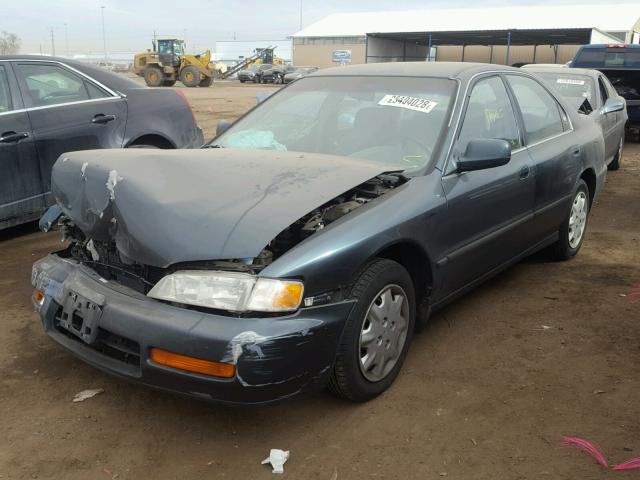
(377, 334)
(573, 229)
(190, 76)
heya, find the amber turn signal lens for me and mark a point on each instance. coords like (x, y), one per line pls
(288, 297)
(38, 297)
(190, 364)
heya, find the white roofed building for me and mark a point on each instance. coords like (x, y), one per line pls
(505, 35)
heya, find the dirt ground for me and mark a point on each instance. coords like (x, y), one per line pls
(487, 391)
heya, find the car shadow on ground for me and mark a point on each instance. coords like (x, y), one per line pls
(18, 231)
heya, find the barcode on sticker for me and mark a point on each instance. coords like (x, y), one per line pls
(569, 81)
(412, 103)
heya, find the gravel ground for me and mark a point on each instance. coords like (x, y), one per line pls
(543, 350)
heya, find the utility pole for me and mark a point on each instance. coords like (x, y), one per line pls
(300, 14)
(104, 38)
(66, 39)
(53, 44)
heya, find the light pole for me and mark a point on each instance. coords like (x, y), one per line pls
(300, 14)
(104, 38)
(66, 39)
(53, 44)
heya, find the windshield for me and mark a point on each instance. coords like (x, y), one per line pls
(393, 120)
(571, 85)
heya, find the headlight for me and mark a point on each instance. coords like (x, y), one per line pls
(236, 292)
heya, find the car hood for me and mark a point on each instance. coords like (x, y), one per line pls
(167, 206)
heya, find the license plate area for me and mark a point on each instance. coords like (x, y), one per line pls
(80, 316)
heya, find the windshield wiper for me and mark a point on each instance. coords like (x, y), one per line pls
(215, 145)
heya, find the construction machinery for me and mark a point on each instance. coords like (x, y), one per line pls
(168, 63)
(262, 55)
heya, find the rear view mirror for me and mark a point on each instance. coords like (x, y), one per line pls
(223, 126)
(613, 105)
(484, 153)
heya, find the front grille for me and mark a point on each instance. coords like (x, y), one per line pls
(107, 343)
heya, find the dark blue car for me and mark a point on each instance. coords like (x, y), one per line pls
(302, 248)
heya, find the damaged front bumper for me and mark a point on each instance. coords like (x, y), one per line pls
(114, 328)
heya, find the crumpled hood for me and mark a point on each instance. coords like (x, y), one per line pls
(168, 206)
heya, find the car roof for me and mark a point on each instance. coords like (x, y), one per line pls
(414, 69)
(589, 72)
(610, 45)
(112, 80)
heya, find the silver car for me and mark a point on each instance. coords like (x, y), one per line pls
(592, 94)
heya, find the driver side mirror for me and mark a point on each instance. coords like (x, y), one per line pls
(223, 126)
(613, 105)
(482, 153)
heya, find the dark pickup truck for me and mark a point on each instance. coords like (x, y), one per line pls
(621, 64)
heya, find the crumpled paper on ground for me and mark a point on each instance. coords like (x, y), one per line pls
(277, 458)
(86, 394)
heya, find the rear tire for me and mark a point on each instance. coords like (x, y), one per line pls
(573, 229)
(617, 160)
(153, 76)
(242, 81)
(380, 326)
(190, 76)
(206, 82)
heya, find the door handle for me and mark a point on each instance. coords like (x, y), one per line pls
(101, 118)
(12, 137)
(524, 172)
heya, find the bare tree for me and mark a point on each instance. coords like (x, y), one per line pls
(9, 43)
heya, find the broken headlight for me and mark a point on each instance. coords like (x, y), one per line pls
(236, 292)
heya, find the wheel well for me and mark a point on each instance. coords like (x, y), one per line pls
(414, 259)
(155, 140)
(589, 178)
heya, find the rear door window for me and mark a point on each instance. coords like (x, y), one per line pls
(49, 84)
(540, 111)
(6, 104)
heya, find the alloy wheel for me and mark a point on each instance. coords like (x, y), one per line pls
(578, 219)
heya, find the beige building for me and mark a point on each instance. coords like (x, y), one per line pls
(506, 35)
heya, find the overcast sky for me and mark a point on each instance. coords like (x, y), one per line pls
(130, 24)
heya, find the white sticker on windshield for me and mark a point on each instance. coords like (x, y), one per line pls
(570, 81)
(412, 103)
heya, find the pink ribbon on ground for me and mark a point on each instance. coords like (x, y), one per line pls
(589, 448)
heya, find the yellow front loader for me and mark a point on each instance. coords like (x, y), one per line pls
(168, 63)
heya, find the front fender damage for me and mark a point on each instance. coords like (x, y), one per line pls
(301, 356)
